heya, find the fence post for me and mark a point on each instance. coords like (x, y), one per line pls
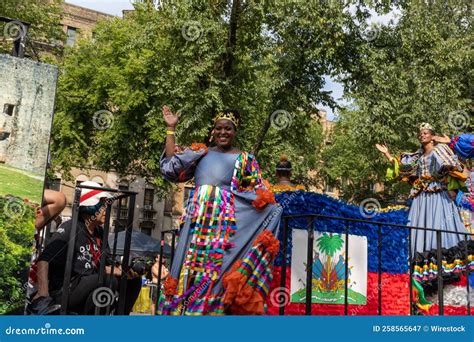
(283, 263)
(70, 252)
(126, 256)
(440, 273)
(309, 266)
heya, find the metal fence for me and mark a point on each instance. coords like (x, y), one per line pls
(311, 220)
(103, 280)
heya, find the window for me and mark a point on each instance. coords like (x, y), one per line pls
(8, 109)
(169, 204)
(148, 215)
(124, 200)
(80, 179)
(329, 188)
(148, 200)
(71, 36)
(146, 231)
(98, 180)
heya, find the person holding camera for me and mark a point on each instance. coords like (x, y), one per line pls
(86, 261)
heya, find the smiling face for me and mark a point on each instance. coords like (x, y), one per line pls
(425, 136)
(224, 133)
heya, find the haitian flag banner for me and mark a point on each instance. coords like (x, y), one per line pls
(328, 268)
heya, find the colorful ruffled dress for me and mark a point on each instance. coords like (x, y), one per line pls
(431, 207)
(431, 176)
(224, 258)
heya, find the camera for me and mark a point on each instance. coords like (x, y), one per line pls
(141, 265)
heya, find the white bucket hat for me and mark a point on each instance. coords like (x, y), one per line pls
(90, 197)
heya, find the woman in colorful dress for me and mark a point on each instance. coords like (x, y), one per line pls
(428, 170)
(223, 261)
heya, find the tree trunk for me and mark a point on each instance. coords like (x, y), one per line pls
(232, 39)
(261, 137)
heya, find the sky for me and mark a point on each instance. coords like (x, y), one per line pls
(115, 7)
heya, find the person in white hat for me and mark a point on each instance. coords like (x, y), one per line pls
(86, 260)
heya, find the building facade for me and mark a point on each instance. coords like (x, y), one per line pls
(79, 22)
(151, 215)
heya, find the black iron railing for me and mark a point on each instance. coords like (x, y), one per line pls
(126, 254)
(311, 219)
(21, 30)
(310, 227)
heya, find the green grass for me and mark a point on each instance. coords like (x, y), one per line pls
(329, 297)
(20, 183)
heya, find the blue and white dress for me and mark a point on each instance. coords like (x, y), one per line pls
(224, 258)
(432, 207)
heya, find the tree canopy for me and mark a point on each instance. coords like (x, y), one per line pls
(418, 69)
(268, 60)
(44, 18)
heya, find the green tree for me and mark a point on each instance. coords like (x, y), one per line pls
(45, 30)
(198, 57)
(16, 238)
(419, 69)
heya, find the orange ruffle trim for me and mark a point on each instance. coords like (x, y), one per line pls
(269, 242)
(239, 297)
(198, 147)
(170, 286)
(264, 197)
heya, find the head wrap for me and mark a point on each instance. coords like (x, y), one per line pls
(426, 125)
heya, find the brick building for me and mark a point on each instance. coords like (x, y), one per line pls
(79, 22)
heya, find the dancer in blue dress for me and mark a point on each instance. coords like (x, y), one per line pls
(428, 171)
(223, 261)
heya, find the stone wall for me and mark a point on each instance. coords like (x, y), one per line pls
(30, 87)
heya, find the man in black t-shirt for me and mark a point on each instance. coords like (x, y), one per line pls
(86, 260)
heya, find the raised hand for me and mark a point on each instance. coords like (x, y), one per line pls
(382, 148)
(170, 119)
(444, 139)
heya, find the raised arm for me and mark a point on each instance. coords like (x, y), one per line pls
(171, 120)
(384, 150)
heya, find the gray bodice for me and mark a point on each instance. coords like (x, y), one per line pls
(215, 168)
